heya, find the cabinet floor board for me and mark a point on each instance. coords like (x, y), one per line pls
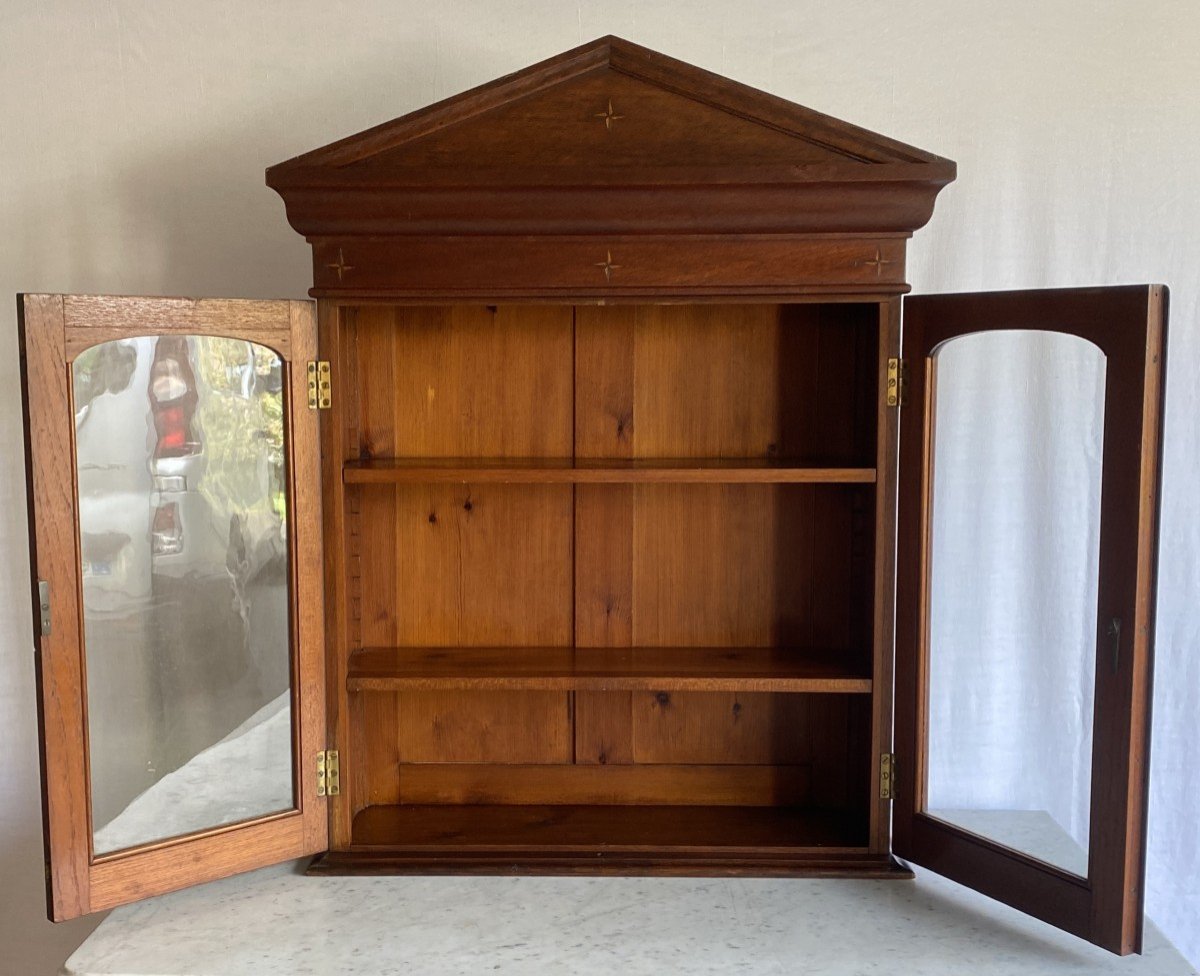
(613, 829)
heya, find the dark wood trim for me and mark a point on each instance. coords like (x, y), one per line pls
(856, 144)
(884, 622)
(600, 268)
(1128, 325)
(543, 207)
(873, 866)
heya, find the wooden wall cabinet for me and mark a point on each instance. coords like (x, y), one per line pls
(589, 516)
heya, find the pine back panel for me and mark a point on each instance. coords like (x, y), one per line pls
(528, 565)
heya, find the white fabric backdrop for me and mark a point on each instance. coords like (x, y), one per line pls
(136, 132)
(1019, 420)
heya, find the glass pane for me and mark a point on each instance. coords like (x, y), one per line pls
(1018, 422)
(183, 544)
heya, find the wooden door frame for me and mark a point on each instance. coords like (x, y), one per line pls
(53, 330)
(1129, 325)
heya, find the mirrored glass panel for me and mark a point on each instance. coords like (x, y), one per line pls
(183, 543)
(1014, 553)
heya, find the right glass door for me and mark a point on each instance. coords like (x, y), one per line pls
(1029, 443)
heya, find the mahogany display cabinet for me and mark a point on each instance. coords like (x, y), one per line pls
(587, 521)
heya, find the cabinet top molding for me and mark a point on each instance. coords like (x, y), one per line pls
(611, 138)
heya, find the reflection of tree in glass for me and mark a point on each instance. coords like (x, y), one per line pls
(240, 417)
(106, 368)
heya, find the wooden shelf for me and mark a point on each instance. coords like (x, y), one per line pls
(614, 829)
(749, 669)
(598, 471)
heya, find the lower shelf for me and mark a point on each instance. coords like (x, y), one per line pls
(605, 827)
(521, 863)
(605, 839)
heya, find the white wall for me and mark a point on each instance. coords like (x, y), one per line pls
(135, 135)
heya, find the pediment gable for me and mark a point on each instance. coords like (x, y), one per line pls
(608, 112)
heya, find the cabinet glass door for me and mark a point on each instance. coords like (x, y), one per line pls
(172, 463)
(1029, 444)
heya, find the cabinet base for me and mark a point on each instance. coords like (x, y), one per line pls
(681, 865)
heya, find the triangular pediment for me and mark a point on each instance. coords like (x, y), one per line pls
(610, 112)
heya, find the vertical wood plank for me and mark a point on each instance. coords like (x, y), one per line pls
(335, 331)
(51, 497)
(603, 615)
(306, 584)
(604, 427)
(467, 381)
(883, 618)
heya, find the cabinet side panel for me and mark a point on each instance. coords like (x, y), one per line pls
(885, 572)
(335, 331)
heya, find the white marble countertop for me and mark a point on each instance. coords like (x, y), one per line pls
(276, 923)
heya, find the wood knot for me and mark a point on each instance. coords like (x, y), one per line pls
(433, 518)
(467, 506)
(663, 699)
(737, 709)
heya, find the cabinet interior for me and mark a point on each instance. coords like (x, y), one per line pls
(610, 577)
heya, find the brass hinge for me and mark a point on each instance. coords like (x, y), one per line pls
(897, 380)
(320, 393)
(44, 607)
(328, 773)
(887, 776)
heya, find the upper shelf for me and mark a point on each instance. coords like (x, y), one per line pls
(745, 669)
(598, 471)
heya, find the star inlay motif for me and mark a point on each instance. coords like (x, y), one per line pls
(607, 266)
(609, 116)
(340, 265)
(878, 263)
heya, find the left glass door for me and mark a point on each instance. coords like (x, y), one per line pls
(176, 557)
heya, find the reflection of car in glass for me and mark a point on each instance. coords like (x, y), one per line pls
(179, 446)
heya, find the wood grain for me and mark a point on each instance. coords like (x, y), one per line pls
(342, 570)
(621, 784)
(603, 669)
(497, 727)
(883, 582)
(464, 381)
(683, 151)
(821, 864)
(1127, 324)
(613, 471)
(474, 565)
(729, 728)
(52, 553)
(641, 829)
(78, 882)
(524, 268)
